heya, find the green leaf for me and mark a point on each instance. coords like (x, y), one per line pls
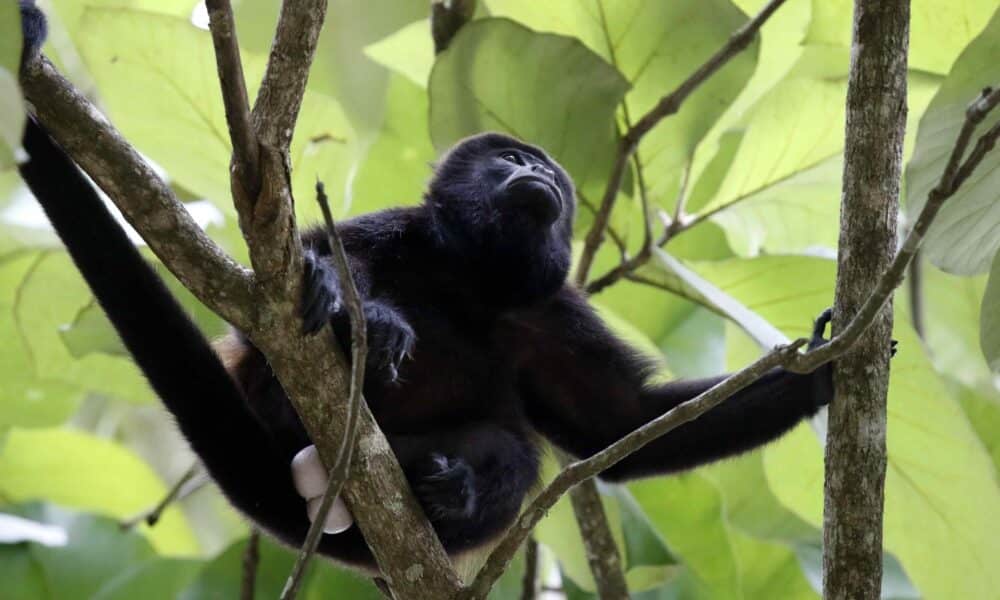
(952, 324)
(982, 408)
(656, 46)
(934, 508)
(158, 579)
(989, 332)
(51, 296)
(97, 551)
(409, 52)
(687, 511)
(963, 238)
(402, 147)
(26, 399)
(159, 80)
(222, 576)
(939, 29)
(498, 75)
(91, 332)
(82, 471)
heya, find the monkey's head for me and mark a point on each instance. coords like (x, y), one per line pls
(507, 208)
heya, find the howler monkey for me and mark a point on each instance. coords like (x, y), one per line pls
(479, 348)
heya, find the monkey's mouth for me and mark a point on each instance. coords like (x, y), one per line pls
(536, 195)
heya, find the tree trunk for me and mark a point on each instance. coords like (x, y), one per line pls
(855, 448)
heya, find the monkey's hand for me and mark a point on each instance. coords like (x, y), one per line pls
(311, 480)
(824, 379)
(446, 488)
(390, 337)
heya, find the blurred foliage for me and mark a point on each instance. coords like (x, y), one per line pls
(756, 151)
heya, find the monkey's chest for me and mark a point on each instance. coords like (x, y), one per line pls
(454, 376)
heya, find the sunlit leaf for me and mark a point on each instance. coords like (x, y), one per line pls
(932, 507)
(82, 471)
(409, 52)
(989, 335)
(498, 75)
(27, 399)
(656, 46)
(963, 238)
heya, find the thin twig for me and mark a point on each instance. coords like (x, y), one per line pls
(630, 264)
(667, 106)
(175, 493)
(359, 353)
(590, 467)
(955, 174)
(251, 560)
(529, 583)
(234, 94)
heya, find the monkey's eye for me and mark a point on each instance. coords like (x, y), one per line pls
(511, 157)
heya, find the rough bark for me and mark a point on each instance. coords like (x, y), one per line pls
(855, 448)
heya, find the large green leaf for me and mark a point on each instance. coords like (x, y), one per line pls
(401, 147)
(82, 471)
(939, 29)
(222, 576)
(656, 46)
(952, 324)
(158, 78)
(26, 398)
(963, 238)
(942, 506)
(989, 333)
(498, 75)
(409, 52)
(50, 296)
(97, 550)
(157, 579)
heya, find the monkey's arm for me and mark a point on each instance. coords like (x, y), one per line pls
(586, 389)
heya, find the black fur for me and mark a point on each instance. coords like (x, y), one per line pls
(477, 346)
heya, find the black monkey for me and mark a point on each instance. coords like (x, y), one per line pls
(478, 348)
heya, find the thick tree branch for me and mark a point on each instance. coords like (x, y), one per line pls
(667, 106)
(359, 353)
(855, 454)
(146, 201)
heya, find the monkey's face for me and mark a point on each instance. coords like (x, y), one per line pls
(507, 208)
(494, 185)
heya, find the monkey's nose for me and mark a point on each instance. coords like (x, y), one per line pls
(542, 169)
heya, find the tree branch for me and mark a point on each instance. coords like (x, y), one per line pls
(280, 97)
(447, 17)
(176, 492)
(359, 354)
(955, 174)
(234, 95)
(855, 453)
(529, 583)
(144, 199)
(251, 560)
(667, 106)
